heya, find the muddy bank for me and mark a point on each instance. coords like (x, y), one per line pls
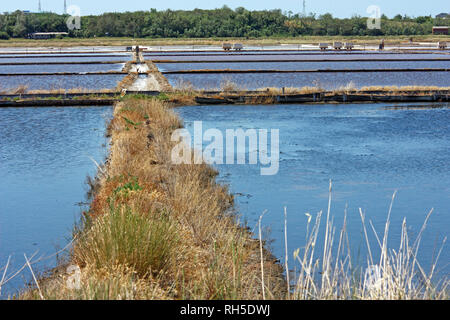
(148, 86)
(143, 76)
(320, 98)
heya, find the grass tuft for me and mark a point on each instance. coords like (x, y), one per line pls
(171, 227)
(143, 243)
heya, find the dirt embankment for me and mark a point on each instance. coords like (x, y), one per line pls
(156, 230)
(159, 77)
(143, 76)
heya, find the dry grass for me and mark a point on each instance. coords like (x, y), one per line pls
(162, 80)
(184, 86)
(127, 81)
(151, 66)
(162, 231)
(183, 93)
(177, 98)
(98, 284)
(228, 85)
(17, 90)
(350, 87)
(110, 41)
(127, 66)
(170, 226)
(403, 88)
(330, 275)
(292, 90)
(72, 90)
(23, 89)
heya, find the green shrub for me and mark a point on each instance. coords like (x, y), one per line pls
(143, 242)
(4, 35)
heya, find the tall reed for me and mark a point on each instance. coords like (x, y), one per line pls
(397, 275)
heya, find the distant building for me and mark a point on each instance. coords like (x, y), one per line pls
(443, 15)
(46, 35)
(440, 30)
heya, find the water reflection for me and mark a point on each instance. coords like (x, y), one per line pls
(45, 155)
(369, 151)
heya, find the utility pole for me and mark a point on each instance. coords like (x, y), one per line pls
(65, 7)
(39, 6)
(304, 8)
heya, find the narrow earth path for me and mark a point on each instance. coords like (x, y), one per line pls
(146, 82)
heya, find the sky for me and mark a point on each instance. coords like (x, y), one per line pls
(339, 8)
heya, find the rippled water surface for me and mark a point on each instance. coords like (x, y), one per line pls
(324, 80)
(48, 68)
(369, 151)
(292, 56)
(49, 58)
(305, 65)
(45, 155)
(39, 82)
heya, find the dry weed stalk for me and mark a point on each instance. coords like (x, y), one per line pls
(396, 276)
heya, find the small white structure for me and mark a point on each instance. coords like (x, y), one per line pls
(349, 46)
(238, 46)
(227, 46)
(46, 35)
(442, 45)
(133, 48)
(337, 45)
(323, 46)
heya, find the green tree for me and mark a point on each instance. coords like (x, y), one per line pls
(19, 29)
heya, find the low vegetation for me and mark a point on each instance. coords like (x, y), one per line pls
(228, 87)
(160, 231)
(23, 89)
(184, 92)
(155, 43)
(326, 269)
(223, 22)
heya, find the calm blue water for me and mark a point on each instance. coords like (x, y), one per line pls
(163, 67)
(49, 68)
(93, 82)
(59, 58)
(44, 159)
(292, 56)
(328, 81)
(369, 151)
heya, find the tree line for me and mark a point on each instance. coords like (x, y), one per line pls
(223, 22)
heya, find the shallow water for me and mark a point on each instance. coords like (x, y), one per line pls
(61, 68)
(6, 59)
(94, 82)
(45, 155)
(305, 65)
(328, 81)
(302, 56)
(369, 151)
